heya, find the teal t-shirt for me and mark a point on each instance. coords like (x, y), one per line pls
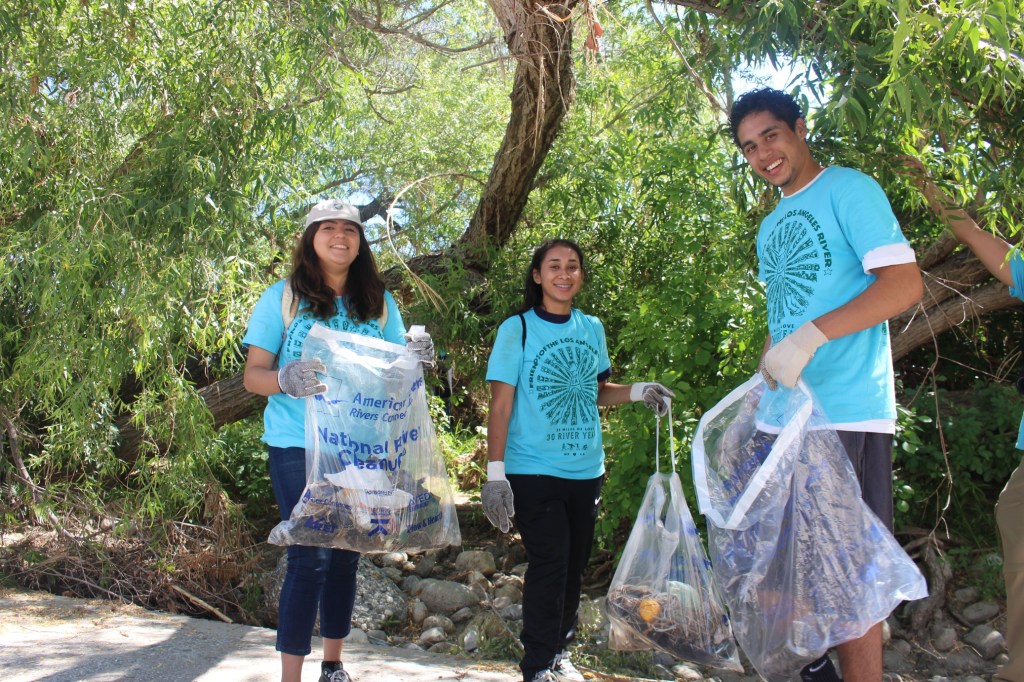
(554, 429)
(1017, 290)
(814, 252)
(284, 419)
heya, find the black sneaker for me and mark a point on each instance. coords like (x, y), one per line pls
(821, 670)
(338, 675)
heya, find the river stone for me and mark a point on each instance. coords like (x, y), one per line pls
(446, 597)
(357, 636)
(419, 612)
(475, 560)
(966, 595)
(896, 661)
(432, 636)
(442, 622)
(409, 583)
(987, 641)
(901, 646)
(512, 612)
(980, 612)
(508, 591)
(474, 578)
(425, 566)
(470, 639)
(965, 660)
(943, 638)
(377, 598)
(462, 615)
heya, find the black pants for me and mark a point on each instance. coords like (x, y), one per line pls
(555, 517)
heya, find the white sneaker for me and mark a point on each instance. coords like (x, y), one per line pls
(545, 676)
(564, 670)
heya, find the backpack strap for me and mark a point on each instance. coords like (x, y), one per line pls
(523, 320)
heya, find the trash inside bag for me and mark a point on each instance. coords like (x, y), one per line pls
(662, 595)
(375, 478)
(802, 561)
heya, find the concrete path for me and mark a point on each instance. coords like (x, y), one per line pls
(48, 638)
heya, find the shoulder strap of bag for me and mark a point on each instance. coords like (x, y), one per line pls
(523, 320)
(289, 305)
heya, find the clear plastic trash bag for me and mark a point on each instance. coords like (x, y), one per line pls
(662, 595)
(375, 478)
(803, 563)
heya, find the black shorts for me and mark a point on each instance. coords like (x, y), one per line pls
(871, 457)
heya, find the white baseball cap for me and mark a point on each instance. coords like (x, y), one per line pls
(333, 209)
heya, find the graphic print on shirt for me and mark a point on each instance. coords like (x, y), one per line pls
(563, 376)
(297, 333)
(795, 257)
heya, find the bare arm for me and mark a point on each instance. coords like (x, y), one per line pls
(502, 398)
(990, 249)
(259, 376)
(612, 394)
(896, 288)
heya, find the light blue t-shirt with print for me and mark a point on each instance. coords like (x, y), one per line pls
(1017, 290)
(815, 251)
(554, 429)
(284, 419)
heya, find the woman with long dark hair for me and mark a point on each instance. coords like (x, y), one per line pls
(334, 281)
(548, 373)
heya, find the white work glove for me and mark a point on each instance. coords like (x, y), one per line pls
(655, 396)
(419, 343)
(298, 378)
(496, 498)
(786, 360)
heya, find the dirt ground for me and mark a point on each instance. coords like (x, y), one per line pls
(44, 637)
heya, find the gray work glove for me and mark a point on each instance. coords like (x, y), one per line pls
(419, 343)
(496, 498)
(787, 359)
(298, 378)
(655, 396)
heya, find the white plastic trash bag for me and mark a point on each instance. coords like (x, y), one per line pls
(803, 563)
(375, 479)
(662, 595)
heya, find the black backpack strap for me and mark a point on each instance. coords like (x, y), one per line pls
(523, 320)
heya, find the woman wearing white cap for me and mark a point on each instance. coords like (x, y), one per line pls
(335, 282)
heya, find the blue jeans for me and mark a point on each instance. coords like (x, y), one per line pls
(317, 577)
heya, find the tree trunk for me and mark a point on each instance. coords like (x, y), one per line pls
(539, 37)
(227, 400)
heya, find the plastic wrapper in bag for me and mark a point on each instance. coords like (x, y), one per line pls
(802, 561)
(662, 595)
(375, 478)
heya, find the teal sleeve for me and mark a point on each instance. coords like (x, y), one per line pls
(507, 355)
(1017, 272)
(394, 330)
